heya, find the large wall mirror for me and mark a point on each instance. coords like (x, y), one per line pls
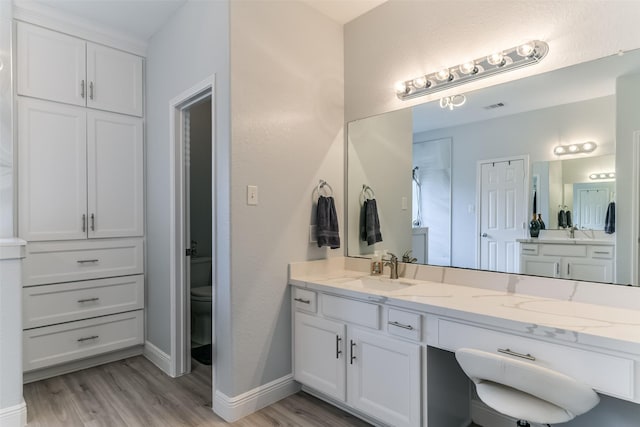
(459, 187)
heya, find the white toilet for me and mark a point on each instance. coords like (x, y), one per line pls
(200, 301)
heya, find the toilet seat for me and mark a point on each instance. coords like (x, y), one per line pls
(202, 293)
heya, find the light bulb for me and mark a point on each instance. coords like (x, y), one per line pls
(603, 175)
(401, 87)
(589, 146)
(559, 150)
(593, 176)
(612, 175)
(420, 82)
(496, 59)
(525, 50)
(468, 68)
(443, 75)
(573, 148)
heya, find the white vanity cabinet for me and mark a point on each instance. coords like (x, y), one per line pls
(62, 68)
(575, 260)
(80, 172)
(342, 353)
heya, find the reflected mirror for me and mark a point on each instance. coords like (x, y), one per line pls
(460, 187)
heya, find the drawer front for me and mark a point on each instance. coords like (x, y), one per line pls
(51, 345)
(305, 300)
(58, 262)
(529, 248)
(609, 374)
(65, 302)
(564, 250)
(404, 324)
(604, 252)
(352, 311)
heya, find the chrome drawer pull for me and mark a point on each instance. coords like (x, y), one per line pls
(400, 325)
(528, 250)
(88, 300)
(304, 301)
(513, 353)
(84, 261)
(338, 351)
(92, 337)
(352, 358)
(601, 252)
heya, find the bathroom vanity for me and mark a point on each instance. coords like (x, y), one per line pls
(363, 342)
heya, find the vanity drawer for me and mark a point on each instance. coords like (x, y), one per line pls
(304, 300)
(529, 248)
(352, 311)
(404, 324)
(58, 262)
(52, 345)
(610, 374)
(65, 302)
(605, 252)
(564, 250)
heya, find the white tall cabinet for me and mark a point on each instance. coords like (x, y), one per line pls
(80, 200)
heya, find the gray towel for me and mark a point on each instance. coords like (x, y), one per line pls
(370, 223)
(327, 223)
(569, 220)
(562, 219)
(610, 219)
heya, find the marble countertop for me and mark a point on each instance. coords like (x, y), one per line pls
(567, 241)
(603, 326)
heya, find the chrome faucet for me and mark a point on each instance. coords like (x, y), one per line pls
(572, 232)
(392, 262)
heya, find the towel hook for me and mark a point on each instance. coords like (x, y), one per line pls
(366, 193)
(321, 185)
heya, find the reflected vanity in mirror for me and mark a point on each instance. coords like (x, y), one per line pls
(456, 186)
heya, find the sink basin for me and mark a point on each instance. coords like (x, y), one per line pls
(378, 284)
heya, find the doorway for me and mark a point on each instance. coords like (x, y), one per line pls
(502, 215)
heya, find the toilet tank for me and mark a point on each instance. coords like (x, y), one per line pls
(200, 271)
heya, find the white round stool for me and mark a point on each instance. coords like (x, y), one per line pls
(525, 391)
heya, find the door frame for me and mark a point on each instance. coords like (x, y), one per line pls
(180, 362)
(526, 205)
(635, 212)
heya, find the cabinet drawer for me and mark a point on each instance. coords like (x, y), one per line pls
(352, 311)
(605, 252)
(529, 248)
(564, 250)
(57, 262)
(56, 344)
(404, 324)
(65, 302)
(610, 374)
(304, 300)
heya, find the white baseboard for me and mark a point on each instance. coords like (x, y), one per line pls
(233, 408)
(485, 416)
(14, 416)
(158, 357)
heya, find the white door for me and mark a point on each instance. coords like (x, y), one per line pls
(52, 186)
(592, 205)
(50, 65)
(320, 354)
(115, 175)
(383, 377)
(114, 80)
(502, 214)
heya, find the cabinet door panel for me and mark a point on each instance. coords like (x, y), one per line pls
(592, 270)
(115, 175)
(319, 354)
(384, 378)
(50, 65)
(540, 266)
(52, 162)
(115, 80)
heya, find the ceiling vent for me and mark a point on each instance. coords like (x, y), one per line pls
(494, 106)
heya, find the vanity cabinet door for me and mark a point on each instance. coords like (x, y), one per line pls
(593, 270)
(383, 377)
(319, 354)
(541, 265)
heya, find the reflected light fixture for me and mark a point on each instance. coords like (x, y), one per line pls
(585, 147)
(602, 175)
(452, 102)
(498, 62)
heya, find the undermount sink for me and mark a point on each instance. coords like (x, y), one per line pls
(378, 284)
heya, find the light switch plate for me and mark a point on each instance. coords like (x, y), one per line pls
(252, 195)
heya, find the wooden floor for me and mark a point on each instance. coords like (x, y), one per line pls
(133, 392)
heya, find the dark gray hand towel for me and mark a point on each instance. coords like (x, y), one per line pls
(371, 223)
(327, 223)
(610, 219)
(569, 220)
(562, 219)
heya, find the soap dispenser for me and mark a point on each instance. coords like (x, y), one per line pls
(376, 264)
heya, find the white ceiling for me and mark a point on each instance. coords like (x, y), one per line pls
(343, 11)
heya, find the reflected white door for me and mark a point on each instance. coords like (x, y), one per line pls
(592, 208)
(502, 214)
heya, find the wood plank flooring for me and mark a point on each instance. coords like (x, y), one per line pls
(135, 393)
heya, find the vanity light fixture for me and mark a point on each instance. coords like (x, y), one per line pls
(585, 147)
(602, 175)
(452, 102)
(498, 62)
